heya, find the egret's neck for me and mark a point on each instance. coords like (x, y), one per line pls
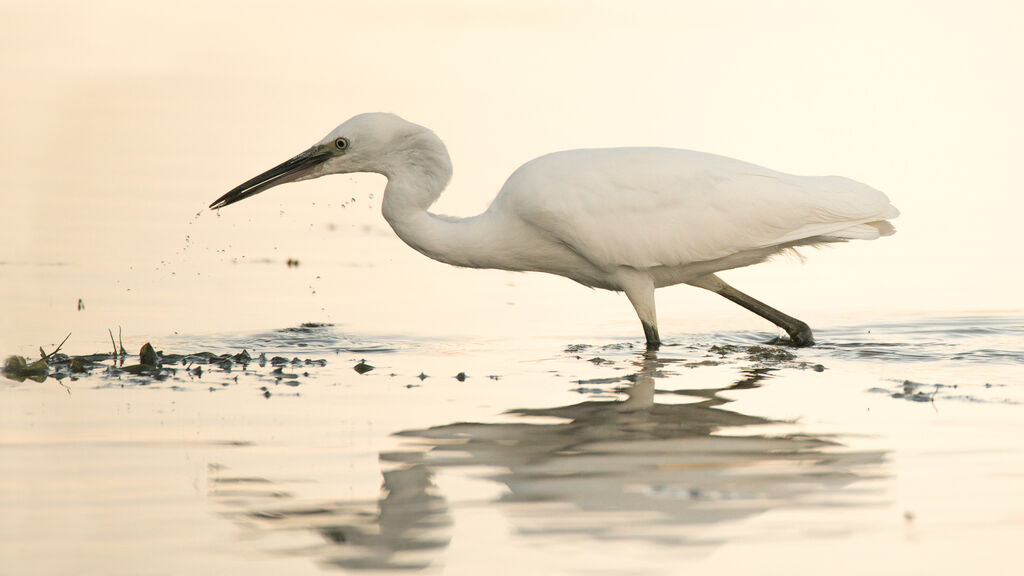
(466, 242)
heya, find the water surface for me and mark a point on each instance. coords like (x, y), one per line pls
(888, 448)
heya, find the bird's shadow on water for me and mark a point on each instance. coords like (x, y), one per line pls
(652, 464)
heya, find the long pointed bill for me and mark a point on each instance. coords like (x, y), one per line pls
(285, 172)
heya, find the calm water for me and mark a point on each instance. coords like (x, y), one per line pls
(893, 447)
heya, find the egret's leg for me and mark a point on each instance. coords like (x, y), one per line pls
(651, 334)
(640, 291)
(798, 331)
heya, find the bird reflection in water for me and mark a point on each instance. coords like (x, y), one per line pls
(631, 468)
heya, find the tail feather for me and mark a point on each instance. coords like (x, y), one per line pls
(865, 231)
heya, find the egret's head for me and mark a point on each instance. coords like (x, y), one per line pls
(374, 142)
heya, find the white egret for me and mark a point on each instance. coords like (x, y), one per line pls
(624, 219)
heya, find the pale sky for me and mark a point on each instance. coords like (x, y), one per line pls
(122, 120)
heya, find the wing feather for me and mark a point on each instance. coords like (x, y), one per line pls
(647, 207)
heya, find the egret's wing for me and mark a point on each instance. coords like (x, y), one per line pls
(662, 207)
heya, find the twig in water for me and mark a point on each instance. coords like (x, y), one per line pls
(47, 356)
(112, 343)
(123, 353)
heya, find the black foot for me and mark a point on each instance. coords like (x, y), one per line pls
(800, 334)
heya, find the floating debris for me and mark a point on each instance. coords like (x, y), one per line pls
(461, 376)
(422, 376)
(155, 366)
(17, 368)
(143, 369)
(912, 391)
(723, 349)
(20, 369)
(280, 374)
(769, 354)
(147, 355)
(79, 365)
(362, 367)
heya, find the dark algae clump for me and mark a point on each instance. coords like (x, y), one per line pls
(155, 366)
(19, 369)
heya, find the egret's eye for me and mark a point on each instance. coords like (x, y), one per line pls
(341, 144)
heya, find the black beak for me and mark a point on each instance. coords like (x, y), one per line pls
(280, 174)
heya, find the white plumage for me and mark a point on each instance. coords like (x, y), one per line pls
(625, 219)
(657, 207)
